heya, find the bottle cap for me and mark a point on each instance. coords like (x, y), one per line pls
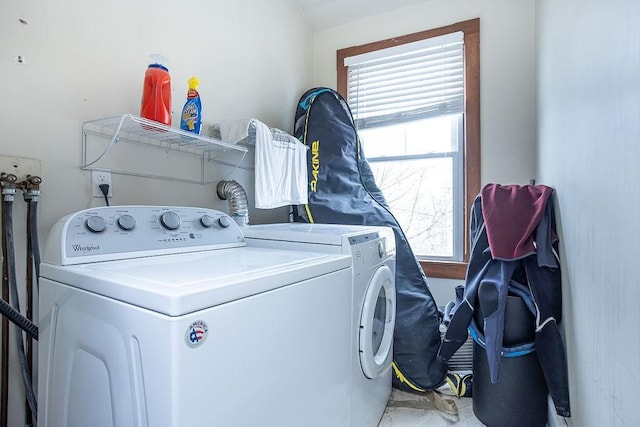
(193, 83)
(156, 58)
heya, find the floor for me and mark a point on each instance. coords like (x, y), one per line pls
(409, 410)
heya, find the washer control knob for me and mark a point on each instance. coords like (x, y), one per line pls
(170, 220)
(96, 224)
(381, 251)
(207, 221)
(224, 221)
(127, 222)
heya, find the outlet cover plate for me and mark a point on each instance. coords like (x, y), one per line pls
(102, 176)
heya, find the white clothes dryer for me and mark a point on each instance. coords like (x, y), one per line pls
(372, 251)
(166, 316)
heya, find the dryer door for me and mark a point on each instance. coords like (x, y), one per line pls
(377, 322)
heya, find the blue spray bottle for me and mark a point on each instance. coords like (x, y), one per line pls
(191, 118)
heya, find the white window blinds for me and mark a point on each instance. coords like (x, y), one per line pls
(408, 82)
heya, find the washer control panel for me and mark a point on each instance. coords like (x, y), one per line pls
(370, 253)
(117, 232)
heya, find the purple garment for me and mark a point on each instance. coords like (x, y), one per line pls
(511, 214)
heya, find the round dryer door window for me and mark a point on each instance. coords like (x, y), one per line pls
(377, 322)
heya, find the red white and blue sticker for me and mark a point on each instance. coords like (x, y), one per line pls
(196, 333)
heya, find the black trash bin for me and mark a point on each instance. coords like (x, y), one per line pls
(519, 398)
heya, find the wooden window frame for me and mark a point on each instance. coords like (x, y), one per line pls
(471, 31)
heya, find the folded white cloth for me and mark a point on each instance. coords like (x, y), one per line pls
(281, 167)
(233, 131)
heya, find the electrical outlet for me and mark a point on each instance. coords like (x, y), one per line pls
(101, 177)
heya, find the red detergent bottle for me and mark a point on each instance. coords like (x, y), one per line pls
(156, 92)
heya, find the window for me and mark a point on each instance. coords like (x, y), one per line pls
(415, 101)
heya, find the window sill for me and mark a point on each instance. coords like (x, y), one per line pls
(444, 270)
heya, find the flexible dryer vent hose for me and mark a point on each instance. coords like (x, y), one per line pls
(238, 204)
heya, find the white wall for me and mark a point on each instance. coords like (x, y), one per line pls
(507, 71)
(507, 78)
(589, 128)
(86, 60)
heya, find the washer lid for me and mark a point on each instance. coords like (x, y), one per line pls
(183, 283)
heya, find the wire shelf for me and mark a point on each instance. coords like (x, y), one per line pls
(148, 133)
(140, 130)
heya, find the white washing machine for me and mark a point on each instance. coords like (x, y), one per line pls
(372, 250)
(166, 316)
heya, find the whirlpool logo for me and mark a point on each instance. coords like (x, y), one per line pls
(315, 165)
(84, 249)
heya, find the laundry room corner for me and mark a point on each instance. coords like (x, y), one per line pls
(319, 213)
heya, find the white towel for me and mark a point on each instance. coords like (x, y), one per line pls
(234, 131)
(281, 168)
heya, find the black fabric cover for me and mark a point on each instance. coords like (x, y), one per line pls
(545, 288)
(342, 190)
